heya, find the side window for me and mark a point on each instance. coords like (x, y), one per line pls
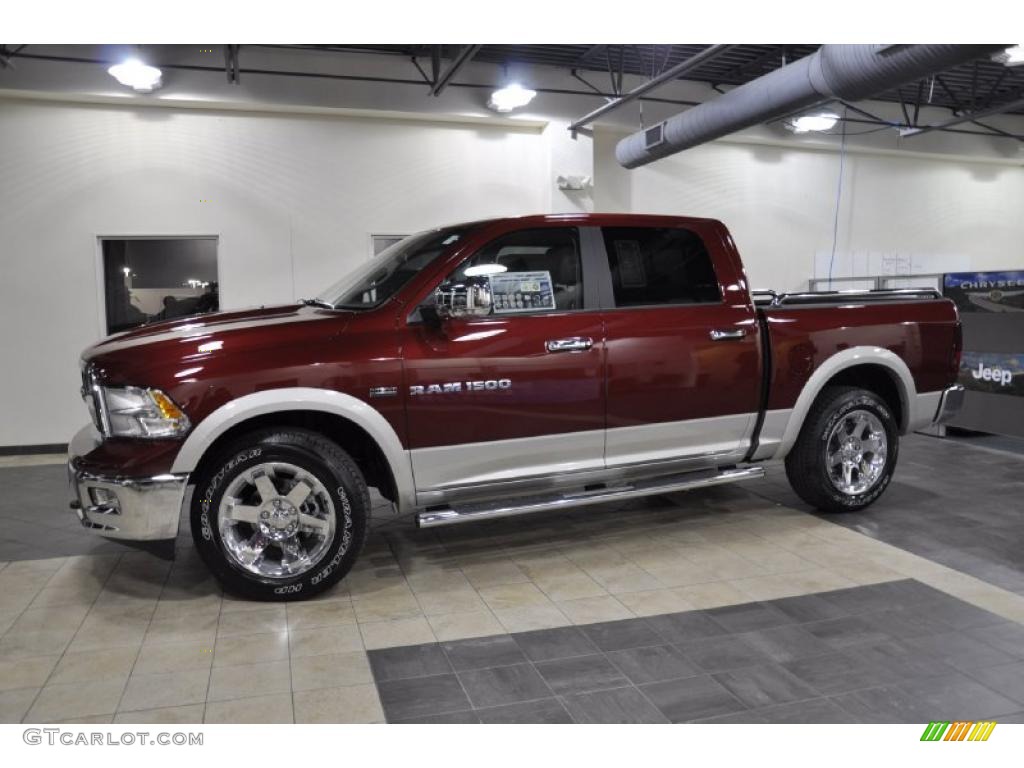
(535, 270)
(652, 266)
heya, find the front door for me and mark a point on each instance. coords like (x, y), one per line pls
(683, 364)
(516, 394)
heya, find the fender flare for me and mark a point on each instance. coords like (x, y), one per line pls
(841, 361)
(270, 401)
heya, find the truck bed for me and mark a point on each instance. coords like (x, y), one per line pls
(917, 329)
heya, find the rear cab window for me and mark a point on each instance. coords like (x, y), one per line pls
(659, 266)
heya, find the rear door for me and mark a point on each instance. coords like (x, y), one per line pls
(518, 394)
(682, 348)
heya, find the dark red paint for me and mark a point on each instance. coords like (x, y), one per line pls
(648, 365)
(923, 333)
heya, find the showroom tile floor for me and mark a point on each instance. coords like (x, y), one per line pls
(951, 502)
(120, 635)
(892, 652)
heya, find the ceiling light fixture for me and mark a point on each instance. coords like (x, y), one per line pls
(1011, 57)
(136, 75)
(510, 97)
(807, 123)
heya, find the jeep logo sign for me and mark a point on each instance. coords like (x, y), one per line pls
(1001, 376)
(998, 373)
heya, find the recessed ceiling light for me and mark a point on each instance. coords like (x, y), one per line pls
(510, 97)
(136, 75)
(806, 123)
(1011, 57)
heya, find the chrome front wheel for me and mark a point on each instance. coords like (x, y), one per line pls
(276, 521)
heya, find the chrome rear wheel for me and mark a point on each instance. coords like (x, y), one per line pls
(856, 452)
(845, 455)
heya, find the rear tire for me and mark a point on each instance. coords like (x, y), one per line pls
(280, 514)
(846, 452)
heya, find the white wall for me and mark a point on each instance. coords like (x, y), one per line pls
(294, 198)
(780, 202)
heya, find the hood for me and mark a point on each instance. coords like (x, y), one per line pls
(158, 351)
(181, 327)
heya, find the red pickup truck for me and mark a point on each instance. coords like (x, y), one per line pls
(499, 368)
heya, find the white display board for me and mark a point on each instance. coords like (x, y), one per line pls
(886, 264)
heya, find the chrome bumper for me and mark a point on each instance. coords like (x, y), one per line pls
(950, 404)
(133, 508)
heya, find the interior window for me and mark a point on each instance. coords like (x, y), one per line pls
(146, 280)
(535, 270)
(652, 265)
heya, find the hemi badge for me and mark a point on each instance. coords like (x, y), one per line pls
(383, 391)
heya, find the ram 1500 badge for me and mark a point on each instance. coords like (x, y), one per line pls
(498, 368)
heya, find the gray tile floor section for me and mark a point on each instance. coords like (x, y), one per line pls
(951, 502)
(895, 652)
(1005, 443)
(35, 521)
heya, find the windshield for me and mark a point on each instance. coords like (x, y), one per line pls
(376, 282)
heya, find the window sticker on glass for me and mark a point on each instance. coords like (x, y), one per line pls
(521, 292)
(631, 264)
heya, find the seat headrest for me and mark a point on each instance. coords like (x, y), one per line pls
(564, 265)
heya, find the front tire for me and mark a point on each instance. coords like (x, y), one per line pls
(846, 452)
(280, 514)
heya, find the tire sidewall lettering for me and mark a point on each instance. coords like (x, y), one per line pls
(206, 502)
(345, 507)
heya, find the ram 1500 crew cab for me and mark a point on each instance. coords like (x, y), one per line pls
(498, 368)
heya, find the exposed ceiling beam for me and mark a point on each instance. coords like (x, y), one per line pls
(994, 88)
(461, 59)
(969, 117)
(776, 52)
(591, 51)
(106, 62)
(997, 131)
(669, 74)
(231, 63)
(435, 63)
(7, 54)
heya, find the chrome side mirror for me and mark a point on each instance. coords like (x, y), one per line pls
(470, 297)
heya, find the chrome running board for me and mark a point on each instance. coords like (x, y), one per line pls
(465, 513)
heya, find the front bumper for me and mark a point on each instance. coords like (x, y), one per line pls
(950, 403)
(132, 508)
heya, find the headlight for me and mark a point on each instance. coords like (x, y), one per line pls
(137, 412)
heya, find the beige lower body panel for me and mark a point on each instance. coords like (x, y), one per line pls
(719, 437)
(536, 463)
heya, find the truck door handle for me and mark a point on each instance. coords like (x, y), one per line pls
(720, 335)
(574, 344)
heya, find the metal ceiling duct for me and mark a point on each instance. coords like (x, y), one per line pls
(848, 72)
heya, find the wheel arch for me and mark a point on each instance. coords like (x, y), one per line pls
(873, 368)
(357, 428)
